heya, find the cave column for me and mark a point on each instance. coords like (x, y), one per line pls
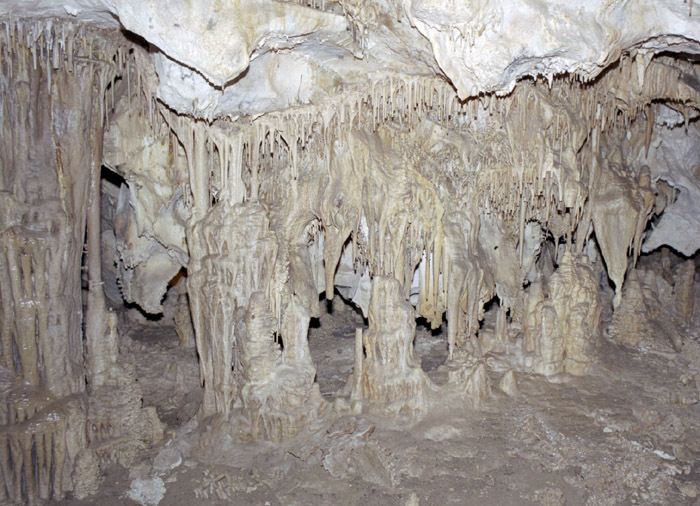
(392, 379)
(96, 330)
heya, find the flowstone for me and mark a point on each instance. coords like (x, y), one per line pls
(260, 390)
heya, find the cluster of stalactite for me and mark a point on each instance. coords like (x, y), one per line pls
(403, 180)
(39, 441)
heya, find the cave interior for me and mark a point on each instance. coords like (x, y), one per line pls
(314, 252)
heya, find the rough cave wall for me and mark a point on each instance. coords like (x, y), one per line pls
(51, 117)
(388, 161)
(57, 364)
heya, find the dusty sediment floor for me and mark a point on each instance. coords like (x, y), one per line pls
(627, 433)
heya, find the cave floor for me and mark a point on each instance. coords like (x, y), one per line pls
(627, 433)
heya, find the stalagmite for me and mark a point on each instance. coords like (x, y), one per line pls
(392, 379)
(508, 383)
(477, 387)
(562, 319)
(357, 391)
(683, 289)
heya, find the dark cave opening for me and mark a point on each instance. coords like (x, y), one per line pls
(331, 341)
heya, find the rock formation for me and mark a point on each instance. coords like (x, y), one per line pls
(423, 159)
